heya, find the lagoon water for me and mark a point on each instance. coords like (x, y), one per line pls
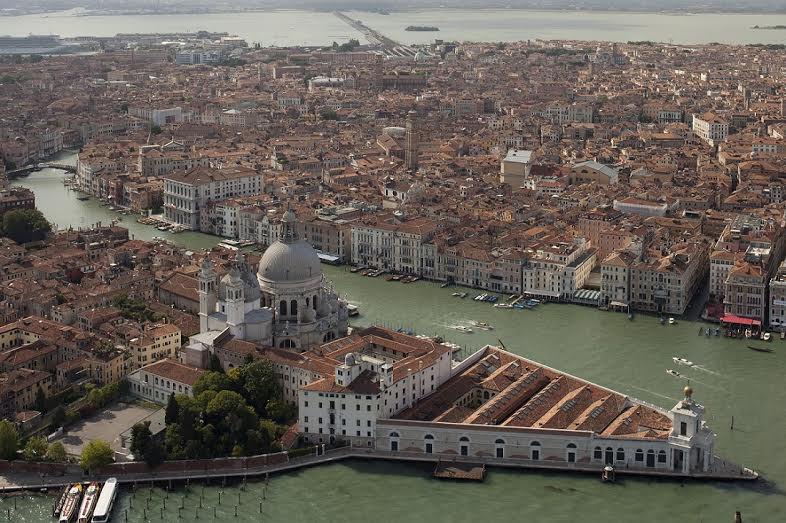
(294, 27)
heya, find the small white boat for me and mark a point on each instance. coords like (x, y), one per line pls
(462, 328)
(767, 336)
(673, 373)
(682, 361)
(672, 321)
(748, 333)
(503, 305)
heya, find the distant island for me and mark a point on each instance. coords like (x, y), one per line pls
(769, 27)
(421, 28)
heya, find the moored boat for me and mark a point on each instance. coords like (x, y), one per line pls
(88, 503)
(61, 501)
(106, 500)
(71, 505)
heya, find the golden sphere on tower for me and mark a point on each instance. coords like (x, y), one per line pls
(688, 391)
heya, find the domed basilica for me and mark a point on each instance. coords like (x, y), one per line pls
(286, 304)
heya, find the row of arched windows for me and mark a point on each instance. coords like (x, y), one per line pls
(283, 310)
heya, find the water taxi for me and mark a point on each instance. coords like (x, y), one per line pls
(673, 373)
(88, 503)
(766, 336)
(682, 361)
(106, 500)
(71, 505)
(462, 328)
(352, 310)
(503, 306)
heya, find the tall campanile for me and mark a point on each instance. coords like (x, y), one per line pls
(413, 142)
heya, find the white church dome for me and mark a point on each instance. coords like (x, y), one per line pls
(289, 259)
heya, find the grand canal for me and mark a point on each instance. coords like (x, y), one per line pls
(607, 348)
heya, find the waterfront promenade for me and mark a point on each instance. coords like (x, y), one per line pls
(261, 466)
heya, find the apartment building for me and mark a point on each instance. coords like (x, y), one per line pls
(187, 192)
(777, 299)
(711, 128)
(394, 244)
(157, 381)
(666, 280)
(159, 342)
(557, 269)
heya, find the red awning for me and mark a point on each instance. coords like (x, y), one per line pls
(739, 320)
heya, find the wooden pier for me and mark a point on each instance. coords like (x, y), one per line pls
(462, 471)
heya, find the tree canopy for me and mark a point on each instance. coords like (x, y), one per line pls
(9, 440)
(25, 225)
(227, 415)
(35, 449)
(96, 454)
(56, 452)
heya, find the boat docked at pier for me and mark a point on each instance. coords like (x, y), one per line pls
(106, 501)
(88, 503)
(71, 505)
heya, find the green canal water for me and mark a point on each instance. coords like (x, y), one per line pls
(607, 348)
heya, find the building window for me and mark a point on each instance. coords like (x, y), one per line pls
(620, 454)
(429, 443)
(683, 428)
(662, 456)
(597, 454)
(464, 445)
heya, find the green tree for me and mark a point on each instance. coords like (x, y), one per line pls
(35, 449)
(156, 129)
(279, 410)
(56, 452)
(211, 380)
(58, 416)
(96, 454)
(259, 384)
(155, 453)
(25, 225)
(172, 410)
(9, 440)
(140, 439)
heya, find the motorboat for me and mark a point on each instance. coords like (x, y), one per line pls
(61, 501)
(88, 503)
(462, 328)
(71, 505)
(748, 333)
(352, 310)
(766, 336)
(707, 332)
(672, 321)
(482, 325)
(682, 361)
(503, 305)
(608, 475)
(673, 373)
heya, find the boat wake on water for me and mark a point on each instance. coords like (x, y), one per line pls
(708, 371)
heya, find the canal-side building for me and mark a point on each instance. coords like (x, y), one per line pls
(187, 192)
(403, 394)
(778, 299)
